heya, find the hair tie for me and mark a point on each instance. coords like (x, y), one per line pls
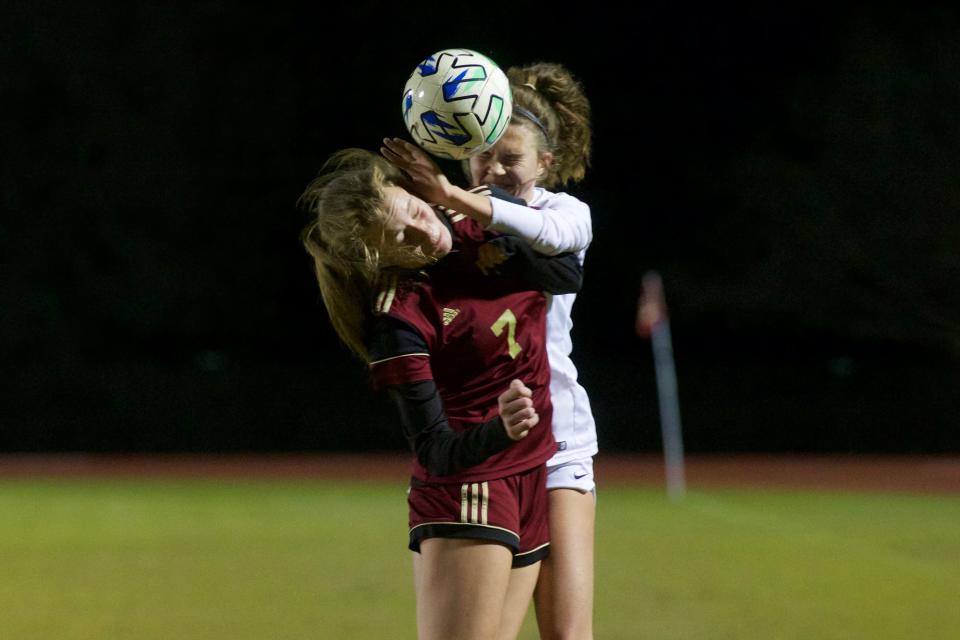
(523, 113)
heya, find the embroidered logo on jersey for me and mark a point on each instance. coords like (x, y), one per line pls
(449, 315)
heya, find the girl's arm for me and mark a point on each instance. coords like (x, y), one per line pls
(562, 226)
(430, 183)
(440, 449)
(518, 261)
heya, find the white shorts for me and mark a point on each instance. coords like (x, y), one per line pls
(576, 474)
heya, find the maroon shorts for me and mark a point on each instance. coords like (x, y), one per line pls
(511, 511)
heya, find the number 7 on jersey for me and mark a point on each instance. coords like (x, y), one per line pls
(508, 320)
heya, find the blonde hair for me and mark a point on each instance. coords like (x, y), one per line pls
(553, 96)
(348, 203)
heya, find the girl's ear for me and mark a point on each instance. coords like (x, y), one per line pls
(543, 164)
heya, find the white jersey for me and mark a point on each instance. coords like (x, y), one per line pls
(559, 223)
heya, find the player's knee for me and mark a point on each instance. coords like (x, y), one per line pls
(570, 629)
(569, 634)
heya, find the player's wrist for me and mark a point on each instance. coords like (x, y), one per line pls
(476, 206)
(449, 192)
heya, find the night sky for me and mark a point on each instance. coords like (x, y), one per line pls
(793, 174)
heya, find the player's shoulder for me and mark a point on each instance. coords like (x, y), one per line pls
(452, 216)
(558, 200)
(400, 324)
(391, 337)
(399, 295)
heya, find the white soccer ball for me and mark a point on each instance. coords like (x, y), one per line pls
(457, 103)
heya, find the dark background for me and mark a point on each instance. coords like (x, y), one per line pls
(793, 174)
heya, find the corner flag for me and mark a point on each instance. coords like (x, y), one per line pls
(653, 322)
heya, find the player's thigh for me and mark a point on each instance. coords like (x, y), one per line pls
(460, 585)
(519, 593)
(564, 594)
(572, 516)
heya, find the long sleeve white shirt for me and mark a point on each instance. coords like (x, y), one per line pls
(556, 223)
(560, 224)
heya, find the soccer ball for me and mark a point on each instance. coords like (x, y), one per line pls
(457, 103)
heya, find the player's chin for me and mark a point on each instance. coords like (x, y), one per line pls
(512, 189)
(442, 245)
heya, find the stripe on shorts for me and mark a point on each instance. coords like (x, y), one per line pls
(486, 501)
(474, 502)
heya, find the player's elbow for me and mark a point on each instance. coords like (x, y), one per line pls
(434, 462)
(437, 468)
(574, 281)
(567, 276)
(558, 237)
(583, 229)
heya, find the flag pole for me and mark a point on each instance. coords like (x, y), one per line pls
(654, 323)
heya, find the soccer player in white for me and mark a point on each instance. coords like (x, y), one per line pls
(546, 145)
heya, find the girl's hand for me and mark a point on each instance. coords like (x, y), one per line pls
(516, 410)
(428, 181)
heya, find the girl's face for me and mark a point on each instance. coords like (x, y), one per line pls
(513, 164)
(413, 235)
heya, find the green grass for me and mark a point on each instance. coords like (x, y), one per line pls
(104, 559)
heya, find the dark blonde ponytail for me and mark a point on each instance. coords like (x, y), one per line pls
(346, 201)
(561, 116)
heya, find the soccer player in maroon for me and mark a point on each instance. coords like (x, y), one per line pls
(545, 146)
(462, 353)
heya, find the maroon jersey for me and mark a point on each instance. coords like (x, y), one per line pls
(471, 334)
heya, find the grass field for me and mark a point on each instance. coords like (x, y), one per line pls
(100, 559)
